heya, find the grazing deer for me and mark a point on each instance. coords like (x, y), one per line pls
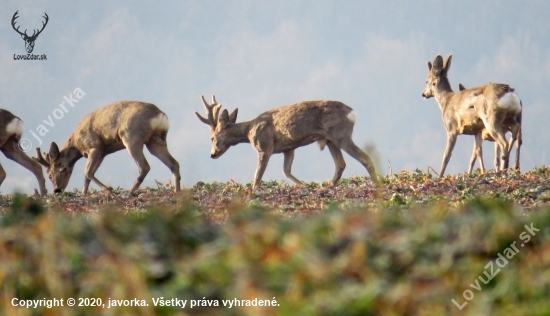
(125, 124)
(509, 122)
(470, 111)
(286, 128)
(11, 129)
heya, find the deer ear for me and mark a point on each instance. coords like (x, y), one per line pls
(54, 151)
(429, 66)
(233, 116)
(447, 63)
(224, 118)
(438, 64)
(461, 87)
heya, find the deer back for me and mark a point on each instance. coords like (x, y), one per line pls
(108, 126)
(303, 123)
(491, 99)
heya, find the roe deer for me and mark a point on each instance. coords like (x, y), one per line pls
(125, 124)
(471, 111)
(286, 128)
(11, 129)
(508, 123)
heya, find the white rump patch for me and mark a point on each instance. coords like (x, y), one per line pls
(351, 116)
(160, 122)
(510, 101)
(15, 127)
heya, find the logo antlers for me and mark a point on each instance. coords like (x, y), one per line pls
(29, 40)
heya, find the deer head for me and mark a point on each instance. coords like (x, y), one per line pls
(219, 126)
(29, 40)
(59, 165)
(437, 74)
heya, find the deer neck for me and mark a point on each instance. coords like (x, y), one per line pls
(72, 152)
(443, 93)
(238, 132)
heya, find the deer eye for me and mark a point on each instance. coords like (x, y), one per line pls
(433, 83)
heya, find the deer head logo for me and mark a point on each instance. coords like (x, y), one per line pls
(29, 40)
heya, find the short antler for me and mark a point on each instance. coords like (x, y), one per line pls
(40, 159)
(211, 110)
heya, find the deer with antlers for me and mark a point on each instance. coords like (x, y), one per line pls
(29, 40)
(11, 129)
(471, 111)
(286, 128)
(509, 123)
(125, 124)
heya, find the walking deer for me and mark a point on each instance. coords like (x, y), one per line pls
(286, 128)
(11, 129)
(509, 122)
(470, 111)
(125, 124)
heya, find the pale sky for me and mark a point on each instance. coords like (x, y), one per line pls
(258, 55)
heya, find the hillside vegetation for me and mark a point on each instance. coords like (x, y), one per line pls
(409, 246)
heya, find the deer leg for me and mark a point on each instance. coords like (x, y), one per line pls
(2, 174)
(95, 158)
(349, 147)
(477, 153)
(472, 159)
(339, 161)
(518, 145)
(515, 129)
(498, 158)
(160, 151)
(287, 165)
(451, 141)
(13, 152)
(136, 151)
(497, 134)
(263, 159)
(511, 143)
(480, 153)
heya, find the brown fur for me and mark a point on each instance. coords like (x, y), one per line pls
(470, 111)
(125, 124)
(286, 128)
(9, 145)
(509, 122)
